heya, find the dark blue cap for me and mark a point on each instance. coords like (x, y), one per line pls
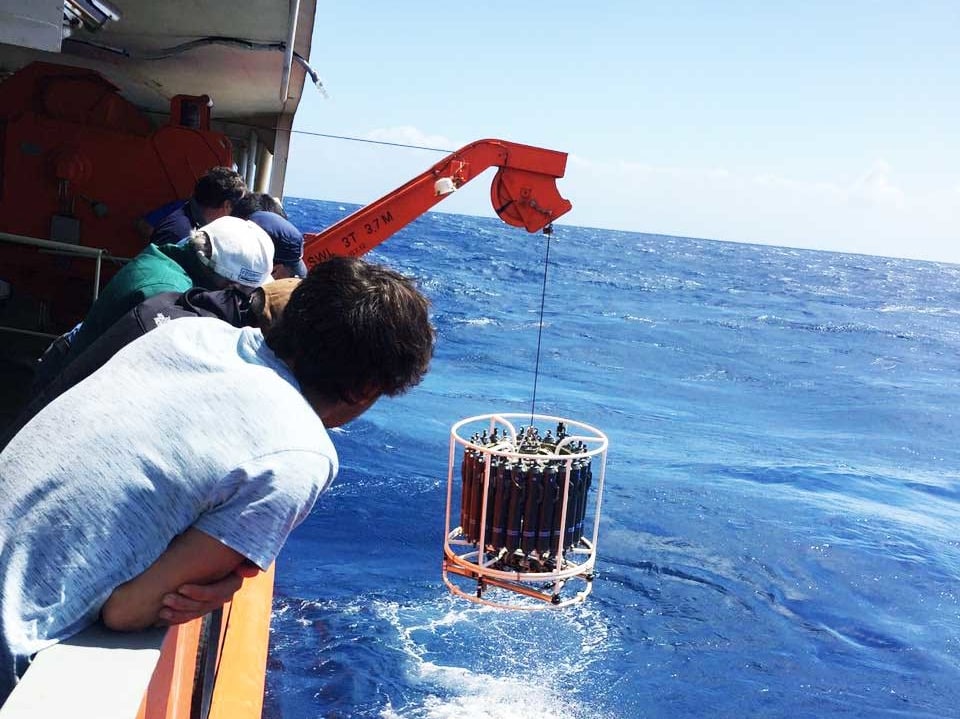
(287, 240)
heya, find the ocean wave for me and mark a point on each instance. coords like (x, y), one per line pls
(920, 310)
(475, 321)
(829, 327)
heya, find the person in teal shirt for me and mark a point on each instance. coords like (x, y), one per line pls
(227, 251)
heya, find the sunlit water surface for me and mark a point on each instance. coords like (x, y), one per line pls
(779, 534)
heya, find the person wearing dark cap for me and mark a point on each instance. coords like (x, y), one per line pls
(256, 201)
(287, 244)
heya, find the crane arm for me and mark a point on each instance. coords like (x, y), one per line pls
(524, 194)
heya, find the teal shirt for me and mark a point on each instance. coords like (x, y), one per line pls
(166, 268)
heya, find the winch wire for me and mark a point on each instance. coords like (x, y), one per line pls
(548, 231)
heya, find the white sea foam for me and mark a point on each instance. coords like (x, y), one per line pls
(911, 309)
(884, 363)
(471, 696)
(529, 685)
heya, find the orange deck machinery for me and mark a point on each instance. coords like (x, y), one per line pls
(81, 165)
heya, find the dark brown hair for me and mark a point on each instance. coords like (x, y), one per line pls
(352, 325)
(219, 185)
(257, 202)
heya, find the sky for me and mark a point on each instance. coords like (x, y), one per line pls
(821, 125)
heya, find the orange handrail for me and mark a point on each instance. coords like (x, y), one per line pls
(241, 672)
(524, 194)
(170, 692)
(242, 660)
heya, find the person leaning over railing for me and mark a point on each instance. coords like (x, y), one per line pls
(192, 453)
(215, 195)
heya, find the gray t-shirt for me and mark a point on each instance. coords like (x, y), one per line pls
(195, 424)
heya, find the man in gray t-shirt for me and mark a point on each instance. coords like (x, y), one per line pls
(192, 452)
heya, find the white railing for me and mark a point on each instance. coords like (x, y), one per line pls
(98, 255)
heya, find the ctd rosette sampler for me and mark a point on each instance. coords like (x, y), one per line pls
(529, 509)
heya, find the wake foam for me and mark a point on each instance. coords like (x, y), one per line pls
(519, 668)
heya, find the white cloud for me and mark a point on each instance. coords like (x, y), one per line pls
(875, 187)
(871, 215)
(826, 190)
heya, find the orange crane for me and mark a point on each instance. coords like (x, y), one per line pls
(523, 193)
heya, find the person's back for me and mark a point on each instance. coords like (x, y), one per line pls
(233, 306)
(151, 272)
(118, 485)
(287, 244)
(235, 251)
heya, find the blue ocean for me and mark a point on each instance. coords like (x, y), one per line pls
(780, 528)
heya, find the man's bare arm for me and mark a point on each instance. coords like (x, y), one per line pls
(192, 558)
(194, 600)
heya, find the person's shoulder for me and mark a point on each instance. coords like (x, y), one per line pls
(172, 228)
(289, 420)
(158, 215)
(145, 275)
(160, 309)
(299, 451)
(156, 264)
(181, 350)
(152, 254)
(176, 219)
(206, 330)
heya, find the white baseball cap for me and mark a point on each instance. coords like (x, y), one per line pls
(240, 251)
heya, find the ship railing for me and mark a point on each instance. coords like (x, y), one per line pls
(95, 674)
(98, 255)
(213, 667)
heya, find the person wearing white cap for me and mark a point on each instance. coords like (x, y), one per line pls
(227, 251)
(235, 251)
